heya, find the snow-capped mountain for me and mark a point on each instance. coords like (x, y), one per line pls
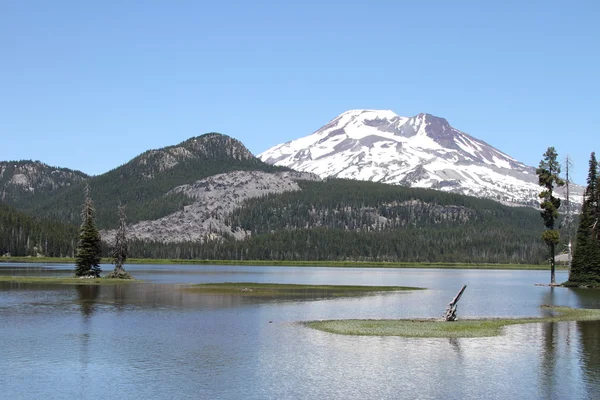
(420, 151)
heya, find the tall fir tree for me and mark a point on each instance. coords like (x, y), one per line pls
(89, 247)
(119, 248)
(585, 269)
(568, 205)
(548, 176)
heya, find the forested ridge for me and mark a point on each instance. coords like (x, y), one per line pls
(368, 206)
(340, 220)
(142, 184)
(328, 220)
(25, 183)
(365, 221)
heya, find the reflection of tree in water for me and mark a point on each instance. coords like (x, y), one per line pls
(590, 342)
(571, 340)
(548, 364)
(590, 355)
(454, 342)
(87, 297)
(549, 350)
(119, 297)
(88, 294)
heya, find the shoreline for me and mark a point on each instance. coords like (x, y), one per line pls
(269, 263)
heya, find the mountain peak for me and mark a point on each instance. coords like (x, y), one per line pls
(366, 112)
(420, 151)
(215, 145)
(431, 118)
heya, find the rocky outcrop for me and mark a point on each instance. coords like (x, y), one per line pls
(22, 181)
(214, 199)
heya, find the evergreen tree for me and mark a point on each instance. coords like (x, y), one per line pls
(89, 247)
(586, 260)
(118, 252)
(548, 177)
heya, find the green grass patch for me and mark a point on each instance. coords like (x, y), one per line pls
(290, 290)
(64, 281)
(431, 328)
(343, 264)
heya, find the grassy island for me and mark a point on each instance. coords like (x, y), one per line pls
(436, 328)
(64, 281)
(290, 290)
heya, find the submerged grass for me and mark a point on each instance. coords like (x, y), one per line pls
(281, 290)
(441, 329)
(64, 281)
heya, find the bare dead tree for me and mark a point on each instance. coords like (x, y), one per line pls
(450, 314)
(119, 249)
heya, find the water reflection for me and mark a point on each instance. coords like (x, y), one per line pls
(548, 362)
(159, 341)
(590, 355)
(455, 344)
(548, 355)
(87, 296)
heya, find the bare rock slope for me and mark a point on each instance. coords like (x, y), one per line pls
(214, 198)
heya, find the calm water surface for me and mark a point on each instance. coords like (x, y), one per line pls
(154, 341)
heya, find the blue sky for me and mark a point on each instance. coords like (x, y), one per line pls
(90, 85)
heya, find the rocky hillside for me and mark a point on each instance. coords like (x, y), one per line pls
(339, 219)
(213, 200)
(145, 184)
(23, 183)
(420, 151)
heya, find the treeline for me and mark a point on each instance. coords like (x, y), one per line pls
(368, 206)
(585, 269)
(340, 220)
(23, 235)
(475, 244)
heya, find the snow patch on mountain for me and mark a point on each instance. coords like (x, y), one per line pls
(420, 151)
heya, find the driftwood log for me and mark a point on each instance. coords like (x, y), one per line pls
(450, 314)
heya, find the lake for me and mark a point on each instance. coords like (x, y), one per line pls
(153, 340)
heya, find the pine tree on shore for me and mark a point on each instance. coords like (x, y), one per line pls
(119, 249)
(87, 258)
(548, 176)
(585, 269)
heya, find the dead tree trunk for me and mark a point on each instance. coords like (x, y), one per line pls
(450, 314)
